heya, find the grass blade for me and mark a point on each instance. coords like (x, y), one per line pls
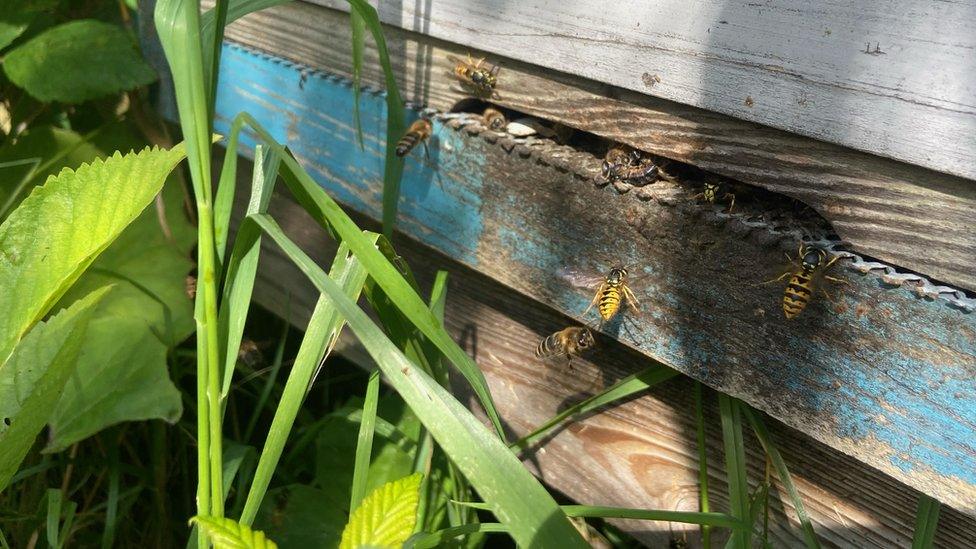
(395, 117)
(268, 383)
(703, 505)
(112, 505)
(762, 433)
(735, 464)
(624, 388)
(327, 212)
(926, 522)
(441, 538)
(364, 445)
(712, 519)
(358, 27)
(54, 499)
(320, 335)
(239, 283)
(517, 497)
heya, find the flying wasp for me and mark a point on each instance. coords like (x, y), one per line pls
(810, 266)
(568, 342)
(481, 77)
(612, 291)
(418, 132)
(717, 192)
(494, 120)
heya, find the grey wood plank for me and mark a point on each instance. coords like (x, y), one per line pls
(897, 78)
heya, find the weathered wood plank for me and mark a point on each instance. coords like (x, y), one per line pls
(904, 215)
(879, 374)
(893, 79)
(641, 453)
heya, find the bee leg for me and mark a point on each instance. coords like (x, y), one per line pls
(569, 361)
(426, 151)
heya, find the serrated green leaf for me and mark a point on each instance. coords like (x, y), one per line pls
(78, 61)
(58, 231)
(226, 533)
(386, 517)
(32, 380)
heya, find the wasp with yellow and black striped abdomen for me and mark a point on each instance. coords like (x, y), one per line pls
(805, 275)
(568, 342)
(714, 192)
(478, 76)
(418, 132)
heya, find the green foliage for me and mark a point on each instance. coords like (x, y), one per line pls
(78, 61)
(298, 516)
(59, 230)
(926, 522)
(32, 379)
(386, 517)
(226, 533)
(17, 15)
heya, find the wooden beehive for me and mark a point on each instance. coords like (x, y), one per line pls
(875, 388)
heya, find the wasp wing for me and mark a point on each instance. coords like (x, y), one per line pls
(581, 278)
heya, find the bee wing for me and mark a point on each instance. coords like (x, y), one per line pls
(579, 278)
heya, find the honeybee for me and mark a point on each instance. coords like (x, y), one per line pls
(418, 132)
(481, 77)
(626, 164)
(568, 342)
(494, 120)
(807, 270)
(715, 192)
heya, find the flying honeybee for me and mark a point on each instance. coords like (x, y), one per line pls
(481, 77)
(806, 271)
(568, 342)
(494, 120)
(717, 192)
(418, 132)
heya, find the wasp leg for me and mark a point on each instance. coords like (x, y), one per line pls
(596, 298)
(836, 280)
(732, 205)
(697, 196)
(631, 300)
(777, 279)
(828, 296)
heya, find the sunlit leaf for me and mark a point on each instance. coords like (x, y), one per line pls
(226, 533)
(386, 517)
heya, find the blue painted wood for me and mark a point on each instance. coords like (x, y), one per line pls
(881, 374)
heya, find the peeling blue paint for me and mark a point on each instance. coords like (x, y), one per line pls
(914, 398)
(313, 116)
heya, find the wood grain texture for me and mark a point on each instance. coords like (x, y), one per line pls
(878, 373)
(915, 218)
(640, 453)
(895, 79)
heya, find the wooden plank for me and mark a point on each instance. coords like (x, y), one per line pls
(879, 374)
(893, 79)
(916, 218)
(642, 453)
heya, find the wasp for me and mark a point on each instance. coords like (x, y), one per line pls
(717, 192)
(611, 293)
(494, 120)
(476, 74)
(418, 132)
(568, 342)
(807, 270)
(626, 164)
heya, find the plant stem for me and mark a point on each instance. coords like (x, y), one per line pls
(208, 276)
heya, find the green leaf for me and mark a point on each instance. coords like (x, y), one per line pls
(121, 376)
(59, 230)
(735, 462)
(517, 498)
(78, 61)
(226, 533)
(32, 379)
(364, 446)
(299, 516)
(17, 15)
(386, 517)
